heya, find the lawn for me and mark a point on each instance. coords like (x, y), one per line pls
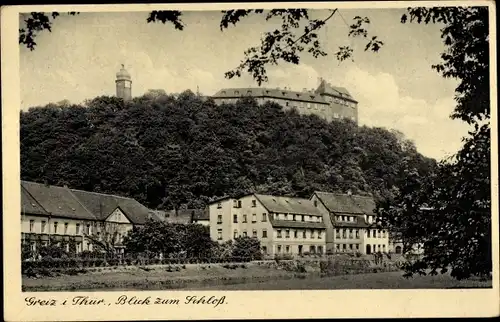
(386, 280)
(245, 277)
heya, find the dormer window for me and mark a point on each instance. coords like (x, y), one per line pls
(236, 92)
(223, 92)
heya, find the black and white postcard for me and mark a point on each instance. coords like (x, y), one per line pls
(250, 160)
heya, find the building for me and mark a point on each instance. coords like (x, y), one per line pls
(351, 223)
(73, 217)
(183, 216)
(123, 84)
(327, 101)
(284, 225)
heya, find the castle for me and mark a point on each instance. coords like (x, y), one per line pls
(327, 101)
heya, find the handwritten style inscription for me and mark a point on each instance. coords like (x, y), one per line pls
(127, 300)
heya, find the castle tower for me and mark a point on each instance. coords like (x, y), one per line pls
(123, 84)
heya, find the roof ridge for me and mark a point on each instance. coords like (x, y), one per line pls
(102, 194)
(81, 204)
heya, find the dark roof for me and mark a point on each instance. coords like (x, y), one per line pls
(341, 92)
(57, 201)
(296, 224)
(201, 214)
(102, 205)
(358, 223)
(270, 93)
(288, 205)
(345, 203)
(37, 198)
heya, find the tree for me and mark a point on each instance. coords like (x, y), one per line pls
(247, 247)
(450, 211)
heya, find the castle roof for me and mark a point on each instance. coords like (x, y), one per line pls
(305, 96)
(326, 88)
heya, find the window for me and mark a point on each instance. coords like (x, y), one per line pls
(88, 229)
(219, 219)
(379, 235)
(78, 229)
(304, 234)
(65, 228)
(264, 233)
(264, 249)
(219, 234)
(293, 217)
(245, 233)
(264, 217)
(32, 225)
(383, 247)
(374, 233)
(368, 233)
(236, 92)
(254, 203)
(55, 227)
(344, 233)
(235, 234)
(350, 233)
(279, 233)
(319, 234)
(357, 233)
(310, 218)
(43, 226)
(219, 205)
(254, 233)
(315, 203)
(286, 217)
(312, 233)
(295, 234)
(303, 218)
(287, 248)
(271, 216)
(357, 246)
(344, 246)
(244, 218)
(337, 233)
(287, 233)
(235, 219)
(279, 248)
(337, 246)
(383, 233)
(254, 218)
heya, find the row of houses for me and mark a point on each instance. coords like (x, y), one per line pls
(64, 215)
(324, 223)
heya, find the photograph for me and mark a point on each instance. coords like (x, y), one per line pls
(249, 147)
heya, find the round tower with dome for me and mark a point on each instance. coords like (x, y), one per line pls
(123, 84)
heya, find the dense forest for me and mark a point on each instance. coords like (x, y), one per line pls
(180, 151)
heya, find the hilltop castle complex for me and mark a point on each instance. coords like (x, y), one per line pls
(327, 101)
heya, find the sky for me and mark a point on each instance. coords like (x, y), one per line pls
(396, 87)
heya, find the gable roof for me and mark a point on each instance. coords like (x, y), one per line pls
(57, 201)
(288, 205)
(344, 203)
(102, 205)
(29, 205)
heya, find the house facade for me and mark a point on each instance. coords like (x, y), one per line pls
(75, 218)
(284, 225)
(351, 223)
(327, 101)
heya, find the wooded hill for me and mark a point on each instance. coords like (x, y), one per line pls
(168, 151)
